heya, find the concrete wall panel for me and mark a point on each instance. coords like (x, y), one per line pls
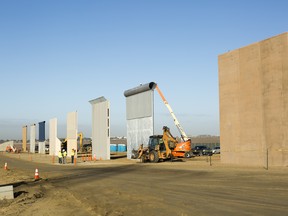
(24, 138)
(54, 142)
(32, 138)
(71, 144)
(72, 130)
(253, 94)
(6, 192)
(41, 147)
(72, 125)
(101, 128)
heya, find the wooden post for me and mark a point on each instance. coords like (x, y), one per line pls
(267, 162)
(210, 161)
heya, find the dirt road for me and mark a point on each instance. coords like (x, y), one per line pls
(123, 187)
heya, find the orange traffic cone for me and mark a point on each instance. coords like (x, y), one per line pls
(5, 166)
(36, 177)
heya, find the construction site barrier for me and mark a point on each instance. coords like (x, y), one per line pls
(85, 156)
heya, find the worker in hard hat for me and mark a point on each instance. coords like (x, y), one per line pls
(72, 155)
(60, 157)
(64, 156)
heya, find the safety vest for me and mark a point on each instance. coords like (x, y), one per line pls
(72, 153)
(64, 154)
(60, 155)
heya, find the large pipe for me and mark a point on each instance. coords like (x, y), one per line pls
(140, 89)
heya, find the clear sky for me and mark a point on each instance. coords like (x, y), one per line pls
(55, 56)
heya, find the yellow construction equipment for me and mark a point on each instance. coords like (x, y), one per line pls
(162, 147)
(81, 148)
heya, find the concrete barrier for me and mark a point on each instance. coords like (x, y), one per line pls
(6, 192)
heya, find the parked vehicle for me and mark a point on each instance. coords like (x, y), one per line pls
(201, 150)
(216, 150)
(47, 149)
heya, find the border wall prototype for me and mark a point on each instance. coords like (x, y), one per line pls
(253, 90)
(72, 130)
(24, 138)
(100, 128)
(32, 138)
(54, 142)
(139, 115)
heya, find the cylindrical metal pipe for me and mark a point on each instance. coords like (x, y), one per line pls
(140, 89)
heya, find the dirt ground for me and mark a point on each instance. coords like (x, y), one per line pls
(124, 187)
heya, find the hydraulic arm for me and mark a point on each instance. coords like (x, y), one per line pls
(176, 122)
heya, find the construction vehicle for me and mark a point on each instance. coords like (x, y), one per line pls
(176, 122)
(165, 146)
(162, 147)
(10, 149)
(182, 149)
(82, 148)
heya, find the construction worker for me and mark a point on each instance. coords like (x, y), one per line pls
(64, 156)
(60, 157)
(72, 155)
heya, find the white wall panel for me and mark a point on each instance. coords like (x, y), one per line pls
(41, 147)
(32, 138)
(101, 128)
(54, 142)
(72, 125)
(72, 130)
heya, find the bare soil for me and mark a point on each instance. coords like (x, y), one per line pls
(124, 187)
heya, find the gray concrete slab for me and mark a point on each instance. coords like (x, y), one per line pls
(6, 192)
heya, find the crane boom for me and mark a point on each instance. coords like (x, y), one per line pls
(176, 122)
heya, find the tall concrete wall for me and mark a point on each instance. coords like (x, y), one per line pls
(24, 138)
(32, 138)
(100, 128)
(41, 147)
(54, 142)
(253, 91)
(72, 130)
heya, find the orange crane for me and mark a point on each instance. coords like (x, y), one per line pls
(183, 149)
(176, 122)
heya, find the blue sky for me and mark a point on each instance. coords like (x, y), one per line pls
(55, 56)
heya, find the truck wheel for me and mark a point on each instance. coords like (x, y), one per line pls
(187, 155)
(153, 157)
(171, 157)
